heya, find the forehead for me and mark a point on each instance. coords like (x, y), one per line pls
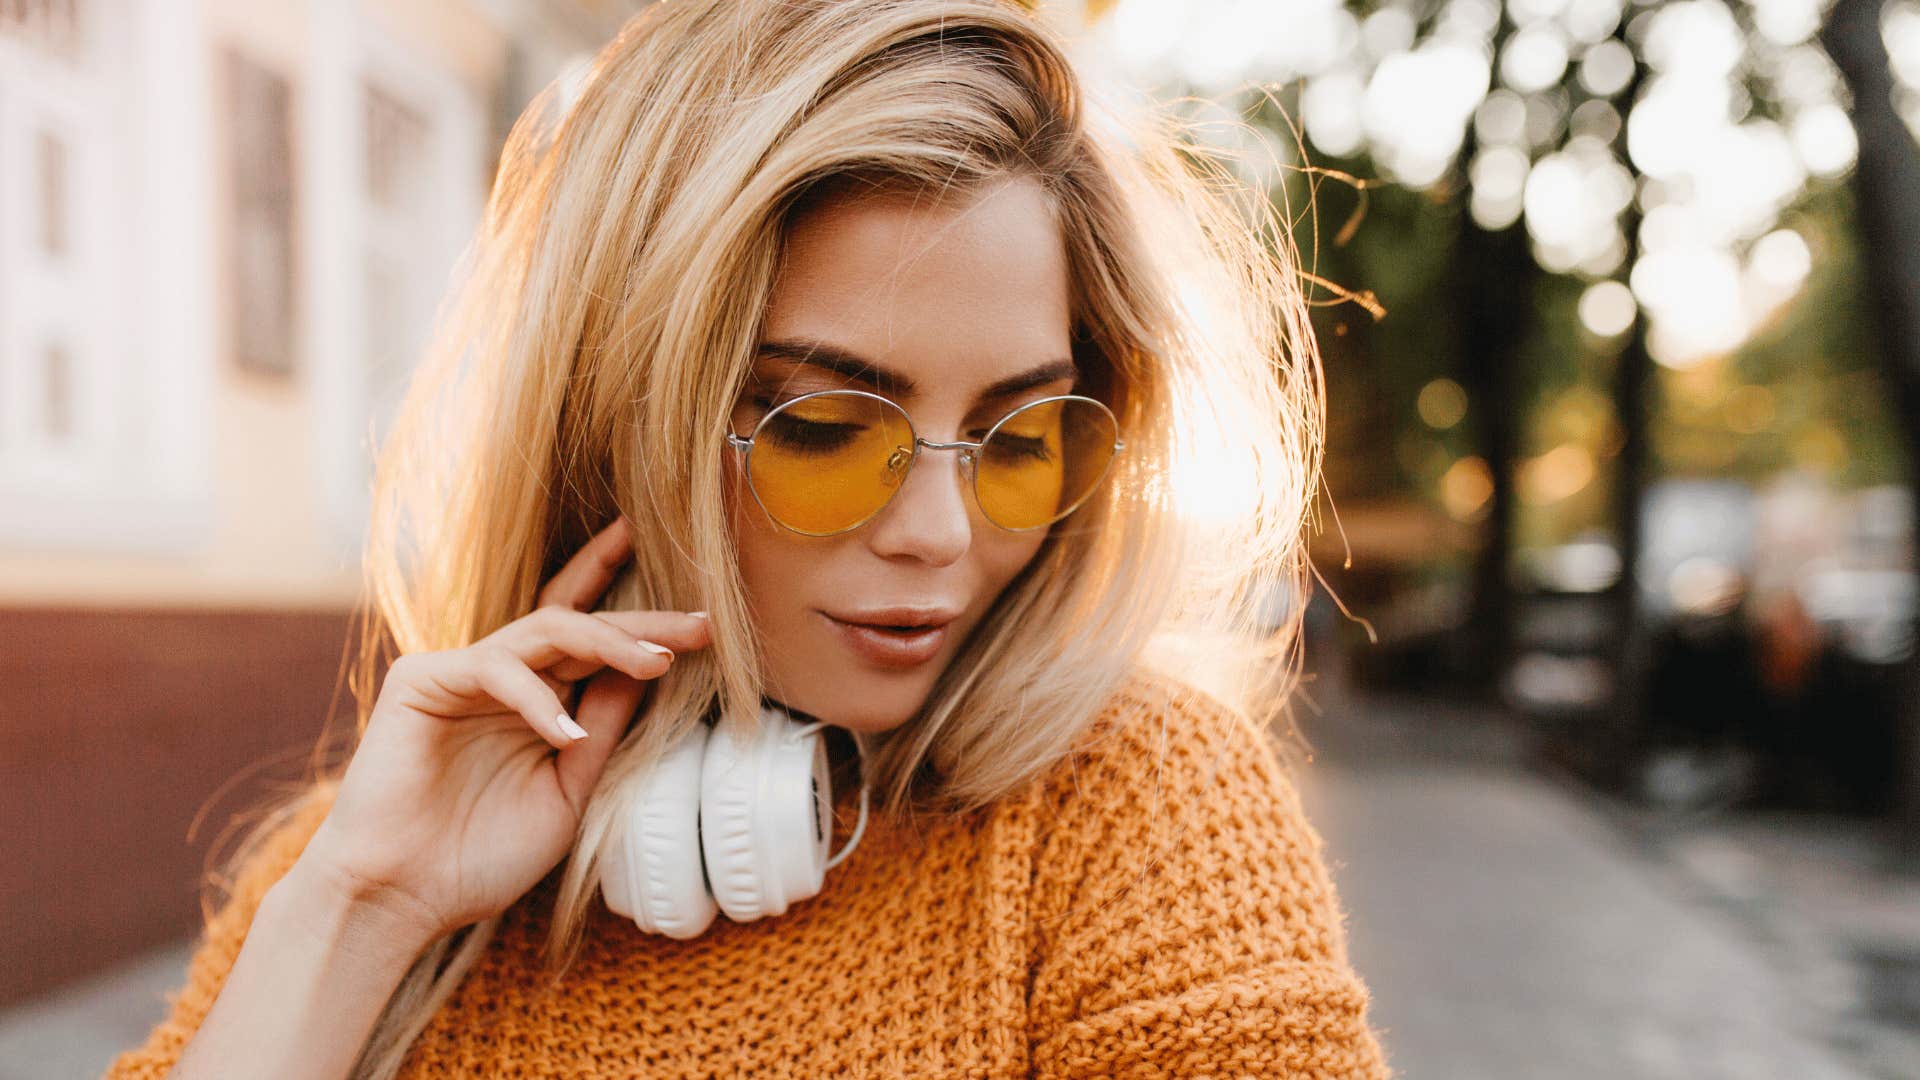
(955, 295)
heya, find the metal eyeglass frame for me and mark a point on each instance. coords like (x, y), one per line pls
(968, 456)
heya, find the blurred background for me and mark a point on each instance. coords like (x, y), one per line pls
(1611, 679)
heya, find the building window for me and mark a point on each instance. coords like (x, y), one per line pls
(397, 139)
(56, 270)
(58, 416)
(48, 27)
(402, 271)
(260, 234)
(51, 157)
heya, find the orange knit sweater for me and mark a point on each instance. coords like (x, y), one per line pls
(1157, 905)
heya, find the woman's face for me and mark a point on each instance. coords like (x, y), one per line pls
(930, 305)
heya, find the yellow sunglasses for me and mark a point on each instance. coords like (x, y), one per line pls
(827, 462)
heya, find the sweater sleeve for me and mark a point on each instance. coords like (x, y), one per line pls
(1184, 921)
(220, 941)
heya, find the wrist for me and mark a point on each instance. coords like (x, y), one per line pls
(355, 912)
(316, 967)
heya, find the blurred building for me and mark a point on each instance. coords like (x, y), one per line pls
(224, 229)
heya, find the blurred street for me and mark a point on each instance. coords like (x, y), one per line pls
(1508, 923)
(1511, 924)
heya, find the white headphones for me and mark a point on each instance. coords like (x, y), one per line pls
(727, 820)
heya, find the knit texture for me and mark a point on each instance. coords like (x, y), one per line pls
(1156, 905)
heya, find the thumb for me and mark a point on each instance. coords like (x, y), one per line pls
(605, 709)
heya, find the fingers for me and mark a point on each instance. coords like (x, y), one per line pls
(497, 673)
(575, 644)
(681, 631)
(528, 664)
(580, 583)
(607, 706)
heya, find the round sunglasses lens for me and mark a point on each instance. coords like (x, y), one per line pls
(826, 463)
(1044, 460)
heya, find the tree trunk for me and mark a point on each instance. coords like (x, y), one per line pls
(1886, 184)
(1495, 304)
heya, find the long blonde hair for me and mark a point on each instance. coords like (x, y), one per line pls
(605, 318)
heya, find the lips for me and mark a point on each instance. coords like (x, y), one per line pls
(896, 618)
(901, 639)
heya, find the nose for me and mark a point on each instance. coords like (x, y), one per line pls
(929, 518)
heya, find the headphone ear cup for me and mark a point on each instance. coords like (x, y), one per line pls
(765, 815)
(652, 870)
(729, 780)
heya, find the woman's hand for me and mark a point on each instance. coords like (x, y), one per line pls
(455, 802)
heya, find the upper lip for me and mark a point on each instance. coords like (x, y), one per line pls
(899, 616)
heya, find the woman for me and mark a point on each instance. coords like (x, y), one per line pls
(1079, 864)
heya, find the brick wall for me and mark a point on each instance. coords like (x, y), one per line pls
(115, 729)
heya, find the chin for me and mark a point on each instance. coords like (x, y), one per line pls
(883, 709)
(865, 701)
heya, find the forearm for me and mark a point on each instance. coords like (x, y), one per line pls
(317, 968)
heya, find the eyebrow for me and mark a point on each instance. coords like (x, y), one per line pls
(858, 368)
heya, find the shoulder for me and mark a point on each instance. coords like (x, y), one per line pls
(1175, 814)
(1153, 708)
(1179, 893)
(1165, 745)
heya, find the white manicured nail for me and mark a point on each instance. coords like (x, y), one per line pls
(574, 731)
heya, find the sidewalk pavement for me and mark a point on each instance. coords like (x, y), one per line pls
(1511, 924)
(1817, 894)
(74, 1034)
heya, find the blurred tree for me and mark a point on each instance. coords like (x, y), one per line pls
(1619, 202)
(1645, 144)
(1887, 185)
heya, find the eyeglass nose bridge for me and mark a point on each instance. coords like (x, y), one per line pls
(900, 462)
(902, 457)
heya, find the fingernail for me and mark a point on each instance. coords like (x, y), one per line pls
(698, 614)
(574, 731)
(654, 648)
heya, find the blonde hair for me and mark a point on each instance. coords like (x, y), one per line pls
(588, 361)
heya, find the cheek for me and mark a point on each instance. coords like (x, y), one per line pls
(774, 565)
(753, 535)
(1006, 554)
